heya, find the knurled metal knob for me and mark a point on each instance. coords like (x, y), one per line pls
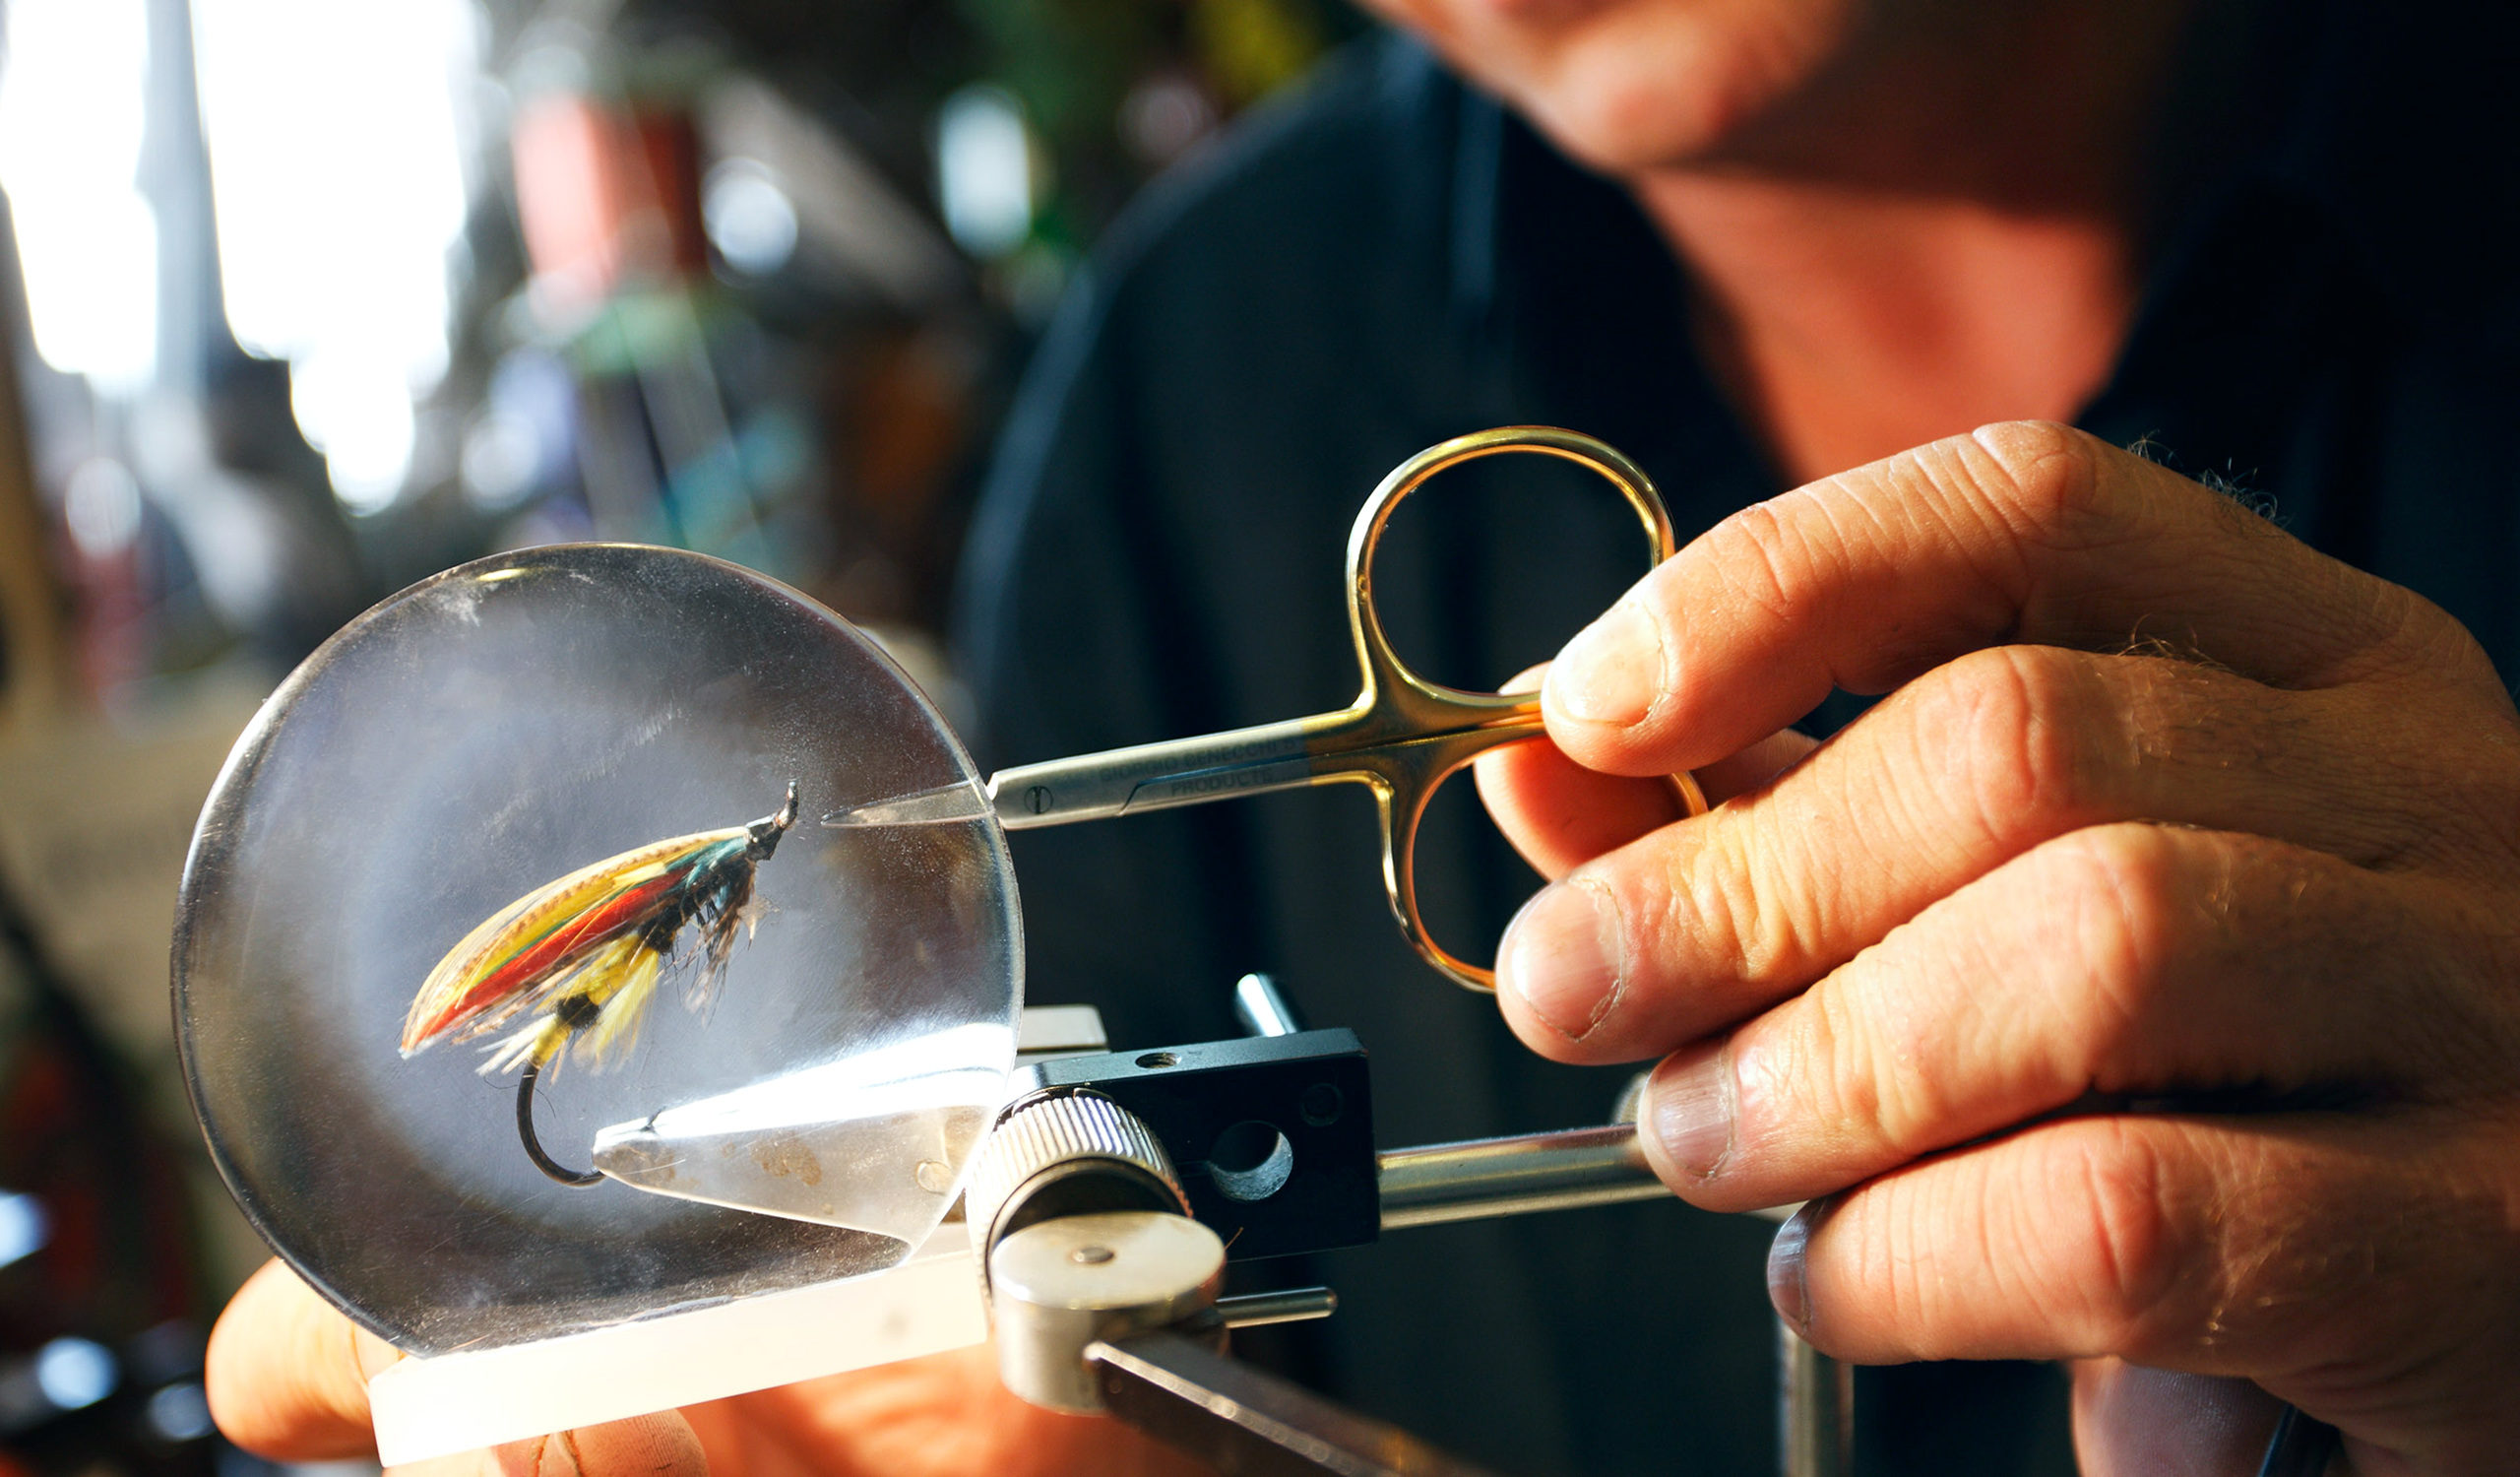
(1074, 1154)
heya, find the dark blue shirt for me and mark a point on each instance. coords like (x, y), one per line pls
(2330, 323)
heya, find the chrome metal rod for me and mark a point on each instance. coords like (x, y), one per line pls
(1261, 1008)
(1816, 1408)
(1518, 1176)
(1292, 1305)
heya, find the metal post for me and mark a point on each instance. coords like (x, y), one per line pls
(1292, 1304)
(1816, 1405)
(1261, 1009)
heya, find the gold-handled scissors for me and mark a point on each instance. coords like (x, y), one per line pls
(1402, 737)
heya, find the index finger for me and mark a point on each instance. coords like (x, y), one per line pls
(2026, 533)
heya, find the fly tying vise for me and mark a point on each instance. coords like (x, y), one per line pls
(587, 953)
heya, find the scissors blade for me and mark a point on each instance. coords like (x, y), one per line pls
(945, 805)
(1121, 781)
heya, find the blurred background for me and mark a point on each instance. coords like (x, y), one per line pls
(302, 301)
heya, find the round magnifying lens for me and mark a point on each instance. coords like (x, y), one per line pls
(574, 763)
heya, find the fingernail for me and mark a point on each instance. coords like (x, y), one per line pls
(1613, 670)
(1689, 1106)
(1562, 954)
(1789, 1284)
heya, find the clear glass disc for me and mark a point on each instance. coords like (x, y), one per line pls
(487, 733)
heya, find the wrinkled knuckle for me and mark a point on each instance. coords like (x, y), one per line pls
(2132, 1260)
(1881, 1089)
(1725, 898)
(2130, 868)
(1698, 901)
(2125, 902)
(2006, 718)
(2043, 478)
(1840, 1077)
(1758, 556)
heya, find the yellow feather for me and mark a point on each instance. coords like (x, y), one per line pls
(616, 1030)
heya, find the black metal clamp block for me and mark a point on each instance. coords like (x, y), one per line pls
(1273, 1136)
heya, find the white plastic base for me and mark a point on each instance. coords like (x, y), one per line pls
(458, 1402)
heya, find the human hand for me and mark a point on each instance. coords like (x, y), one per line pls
(2139, 983)
(287, 1379)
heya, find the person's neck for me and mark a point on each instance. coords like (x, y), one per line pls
(1945, 233)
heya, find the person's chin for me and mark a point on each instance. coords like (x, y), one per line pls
(1631, 130)
(1640, 88)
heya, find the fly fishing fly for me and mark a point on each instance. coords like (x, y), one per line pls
(582, 956)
